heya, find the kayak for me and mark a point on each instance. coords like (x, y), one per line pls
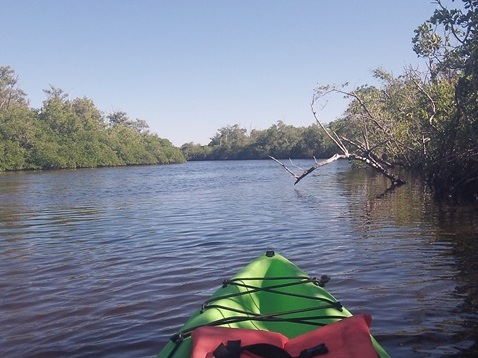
(272, 307)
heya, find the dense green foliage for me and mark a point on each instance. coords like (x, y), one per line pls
(453, 58)
(280, 141)
(71, 133)
(424, 120)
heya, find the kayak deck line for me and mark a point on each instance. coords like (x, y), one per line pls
(319, 282)
(276, 317)
(272, 289)
(269, 294)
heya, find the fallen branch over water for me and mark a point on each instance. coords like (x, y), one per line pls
(306, 172)
(363, 152)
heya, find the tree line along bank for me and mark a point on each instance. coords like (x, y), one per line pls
(423, 120)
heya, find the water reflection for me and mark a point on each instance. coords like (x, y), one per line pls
(440, 243)
(111, 262)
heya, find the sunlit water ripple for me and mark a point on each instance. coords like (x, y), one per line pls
(110, 262)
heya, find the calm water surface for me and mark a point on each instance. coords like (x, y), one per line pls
(111, 262)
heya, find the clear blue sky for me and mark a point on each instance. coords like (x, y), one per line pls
(190, 67)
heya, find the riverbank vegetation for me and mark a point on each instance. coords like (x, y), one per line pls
(66, 133)
(424, 120)
(280, 140)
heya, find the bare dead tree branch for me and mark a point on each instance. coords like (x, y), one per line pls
(296, 166)
(332, 136)
(283, 166)
(368, 113)
(366, 156)
(317, 165)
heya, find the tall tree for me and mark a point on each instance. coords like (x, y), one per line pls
(10, 93)
(119, 118)
(449, 39)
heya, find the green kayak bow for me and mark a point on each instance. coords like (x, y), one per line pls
(270, 294)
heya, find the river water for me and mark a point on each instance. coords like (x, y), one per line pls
(110, 262)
